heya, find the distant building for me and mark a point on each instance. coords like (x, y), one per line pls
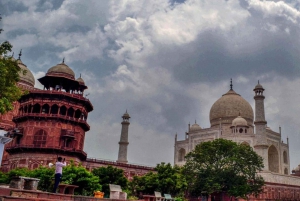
(51, 122)
(231, 117)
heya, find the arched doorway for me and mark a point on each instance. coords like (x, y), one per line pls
(181, 155)
(273, 159)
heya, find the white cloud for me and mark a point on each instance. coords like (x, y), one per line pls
(167, 63)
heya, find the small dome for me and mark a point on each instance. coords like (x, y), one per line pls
(62, 68)
(25, 74)
(80, 80)
(258, 86)
(296, 169)
(239, 121)
(268, 128)
(126, 115)
(195, 127)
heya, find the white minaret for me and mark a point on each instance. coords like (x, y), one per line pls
(123, 144)
(261, 146)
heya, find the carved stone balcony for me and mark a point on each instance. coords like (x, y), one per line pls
(17, 148)
(67, 133)
(21, 117)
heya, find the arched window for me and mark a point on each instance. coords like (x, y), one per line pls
(54, 109)
(20, 110)
(285, 160)
(40, 138)
(77, 114)
(273, 159)
(25, 109)
(245, 130)
(36, 108)
(29, 108)
(35, 165)
(245, 143)
(45, 109)
(68, 143)
(13, 166)
(181, 155)
(63, 110)
(286, 171)
(70, 112)
(241, 130)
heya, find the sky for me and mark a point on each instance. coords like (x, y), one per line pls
(165, 61)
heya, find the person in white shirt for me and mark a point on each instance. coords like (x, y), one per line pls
(60, 163)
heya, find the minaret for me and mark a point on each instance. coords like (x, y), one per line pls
(261, 145)
(122, 157)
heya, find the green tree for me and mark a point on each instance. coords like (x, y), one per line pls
(9, 71)
(146, 184)
(166, 179)
(110, 175)
(3, 178)
(224, 166)
(46, 176)
(77, 175)
(25, 172)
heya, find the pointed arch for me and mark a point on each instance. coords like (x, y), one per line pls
(29, 108)
(63, 110)
(54, 109)
(285, 158)
(36, 108)
(70, 112)
(181, 155)
(45, 109)
(286, 171)
(77, 114)
(273, 159)
(245, 143)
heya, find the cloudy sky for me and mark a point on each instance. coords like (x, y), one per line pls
(165, 61)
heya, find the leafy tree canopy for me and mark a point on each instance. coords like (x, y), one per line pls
(224, 166)
(166, 179)
(9, 76)
(110, 175)
(77, 175)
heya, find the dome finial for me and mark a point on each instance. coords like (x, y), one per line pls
(231, 84)
(20, 54)
(13, 55)
(63, 60)
(195, 121)
(258, 81)
(80, 75)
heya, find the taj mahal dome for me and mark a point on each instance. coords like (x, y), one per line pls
(232, 117)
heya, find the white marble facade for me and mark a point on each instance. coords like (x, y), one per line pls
(232, 118)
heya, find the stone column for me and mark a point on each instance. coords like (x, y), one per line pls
(123, 144)
(261, 146)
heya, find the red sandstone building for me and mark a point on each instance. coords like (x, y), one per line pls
(52, 121)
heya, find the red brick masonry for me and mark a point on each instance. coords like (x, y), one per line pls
(10, 194)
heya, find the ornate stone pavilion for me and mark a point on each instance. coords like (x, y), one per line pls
(232, 117)
(52, 121)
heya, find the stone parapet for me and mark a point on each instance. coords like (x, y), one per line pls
(272, 177)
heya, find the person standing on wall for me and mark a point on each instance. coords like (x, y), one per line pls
(60, 163)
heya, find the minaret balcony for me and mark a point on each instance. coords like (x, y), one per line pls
(25, 116)
(44, 148)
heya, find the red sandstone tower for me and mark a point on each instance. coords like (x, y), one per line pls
(48, 122)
